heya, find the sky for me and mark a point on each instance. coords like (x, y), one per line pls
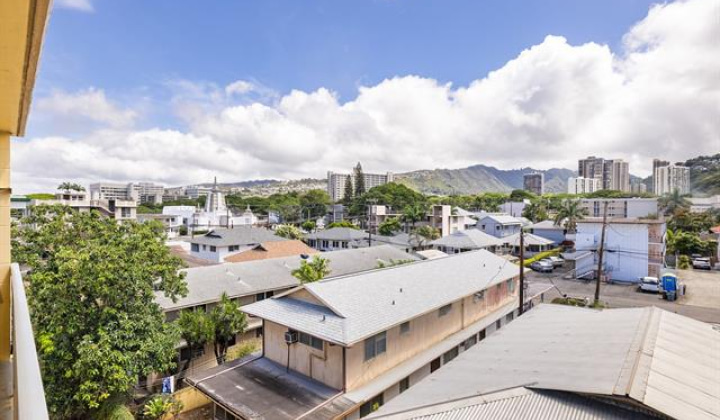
(180, 91)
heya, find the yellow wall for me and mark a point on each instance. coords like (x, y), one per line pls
(322, 365)
(4, 246)
(191, 399)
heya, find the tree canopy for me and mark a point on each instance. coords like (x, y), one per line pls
(390, 226)
(91, 291)
(317, 269)
(289, 232)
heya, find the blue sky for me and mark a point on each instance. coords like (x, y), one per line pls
(134, 46)
(287, 89)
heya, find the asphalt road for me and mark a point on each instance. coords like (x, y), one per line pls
(702, 302)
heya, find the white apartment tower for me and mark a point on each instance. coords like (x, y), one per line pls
(336, 182)
(668, 178)
(583, 185)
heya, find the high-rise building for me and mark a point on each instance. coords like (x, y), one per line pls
(613, 174)
(143, 192)
(669, 177)
(336, 182)
(583, 185)
(616, 175)
(638, 186)
(534, 183)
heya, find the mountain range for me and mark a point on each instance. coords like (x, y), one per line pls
(479, 179)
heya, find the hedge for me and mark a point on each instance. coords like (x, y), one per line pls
(541, 255)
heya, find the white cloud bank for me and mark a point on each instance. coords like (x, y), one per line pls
(554, 103)
(81, 5)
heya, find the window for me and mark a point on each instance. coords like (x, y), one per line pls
(481, 335)
(222, 414)
(509, 317)
(233, 248)
(263, 296)
(482, 227)
(498, 324)
(336, 244)
(405, 327)
(311, 341)
(371, 406)
(470, 342)
(511, 286)
(204, 247)
(325, 244)
(404, 384)
(375, 345)
(450, 354)
(435, 365)
(445, 310)
(213, 248)
(194, 247)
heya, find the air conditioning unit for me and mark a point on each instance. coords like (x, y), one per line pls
(291, 337)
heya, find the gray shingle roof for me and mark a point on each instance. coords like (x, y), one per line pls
(546, 224)
(338, 234)
(206, 284)
(371, 302)
(468, 239)
(240, 235)
(662, 360)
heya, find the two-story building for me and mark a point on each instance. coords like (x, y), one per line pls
(219, 244)
(335, 238)
(620, 207)
(340, 348)
(467, 240)
(117, 209)
(253, 281)
(549, 230)
(499, 225)
(634, 248)
(171, 223)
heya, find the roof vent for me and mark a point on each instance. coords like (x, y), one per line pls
(401, 290)
(323, 319)
(393, 302)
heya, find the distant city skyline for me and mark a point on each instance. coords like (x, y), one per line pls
(283, 91)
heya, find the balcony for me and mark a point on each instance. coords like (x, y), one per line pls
(21, 388)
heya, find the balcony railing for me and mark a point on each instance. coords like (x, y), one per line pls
(28, 393)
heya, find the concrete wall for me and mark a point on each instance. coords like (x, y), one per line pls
(626, 256)
(322, 365)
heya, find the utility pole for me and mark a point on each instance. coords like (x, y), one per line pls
(522, 272)
(370, 201)
(600, 256)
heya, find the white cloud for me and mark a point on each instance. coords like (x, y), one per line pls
(554, 103)
(81, 5)
(80, 110)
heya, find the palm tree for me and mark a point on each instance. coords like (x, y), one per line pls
(414, 213)
(673, 202)
(568, 215)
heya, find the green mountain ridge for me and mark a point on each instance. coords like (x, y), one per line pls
(479, 179)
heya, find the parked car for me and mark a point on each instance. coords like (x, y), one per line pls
(556, 261)
(542, 266)
(701, 263)
(650, 284)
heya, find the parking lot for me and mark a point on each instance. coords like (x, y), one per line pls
(701, 302)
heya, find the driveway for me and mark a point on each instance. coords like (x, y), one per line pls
(702, 301)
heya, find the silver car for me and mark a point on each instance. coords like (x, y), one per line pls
(701, 263)
(542, 266)
(650, 284)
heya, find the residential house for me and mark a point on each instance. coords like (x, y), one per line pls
(335, 238)
(272, 249)
(448, 220)
(634, 248)
(620, 207)
(171, 222)
(565, 363)
(499, 225)
(352, 343)
(252, 281)
(467, 240)
(533, 244)
(549, 230)
(218, 244)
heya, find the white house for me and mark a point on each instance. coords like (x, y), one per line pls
(221, 243)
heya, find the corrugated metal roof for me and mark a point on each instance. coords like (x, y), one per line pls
(206, 284)
(522, 403)
(367, 303)
(665, 361)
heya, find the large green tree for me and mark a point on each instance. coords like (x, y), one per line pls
(227, 321)
(197, 330)
(414, 213)
(289, 232)
(91, 290)
(317, 269)
(314, 203)
(390, 226)
(674, 202)
(359, 180)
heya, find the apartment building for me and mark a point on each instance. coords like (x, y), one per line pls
(342, 347)
(634, 247)
(581, 185)
(534, 183)
(448, 219)
(114, 208)
(620, 207)
(336, 182)
(669, 177)
(252, 281)
(613, 174)
(141, 193)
